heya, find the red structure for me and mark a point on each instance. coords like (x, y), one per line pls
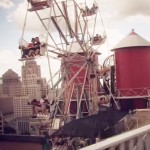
(81, 79)
(77, 66)
(132, 60)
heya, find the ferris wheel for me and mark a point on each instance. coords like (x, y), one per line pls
(74, 33)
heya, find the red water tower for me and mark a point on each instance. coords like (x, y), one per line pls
(132, 62)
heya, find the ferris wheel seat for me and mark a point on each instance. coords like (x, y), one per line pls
(39, 4)
(97, 40)
(85, 14)
(42, 49)
(37, 8)
(89, 12)
(41, 53)
(93, 75)
(24, 59)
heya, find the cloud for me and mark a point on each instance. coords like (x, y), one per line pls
(19, 16)
(112, 13)
(33, 23)
(6, 4)
(9, 60)
(134, 7)
(122, 9)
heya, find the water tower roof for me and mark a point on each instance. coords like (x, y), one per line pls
(132, 40)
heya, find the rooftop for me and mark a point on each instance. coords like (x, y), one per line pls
(132, 40)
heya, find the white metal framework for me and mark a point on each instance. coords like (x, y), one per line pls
(137, 139)
(73, 36)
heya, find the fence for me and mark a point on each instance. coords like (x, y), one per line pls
(138, 139)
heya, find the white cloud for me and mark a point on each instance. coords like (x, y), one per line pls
(122, 9)
(6, 4)
(113, 12)
(9, 60)
(19, 15)
(33, 23)
(44, 63)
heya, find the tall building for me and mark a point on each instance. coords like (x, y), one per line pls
(6, 104)
(33, 86)
(1, 123)
(31, 74)
(11, 84)
(44, 86)
(1, 90)
(15, 95)
(21, 107)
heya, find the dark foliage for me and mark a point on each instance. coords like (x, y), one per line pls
(9, 130)
(93, 126)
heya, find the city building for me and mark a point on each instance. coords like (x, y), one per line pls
(11, 84)
(6, 104)
(44, 86)
(33, 86)
(1, 123)
(32, 83)
(1, 90)
(32, 126)
(21, 107)
(31, 74)
(23, 127)
(18, 94)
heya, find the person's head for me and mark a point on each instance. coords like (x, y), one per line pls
(33, 39)
(37, 39)
(46, 100)
(43, 96)
(34, 101)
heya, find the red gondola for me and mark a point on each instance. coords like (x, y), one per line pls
(89, 12)
(39, 4)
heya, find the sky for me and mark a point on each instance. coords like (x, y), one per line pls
(119, 18)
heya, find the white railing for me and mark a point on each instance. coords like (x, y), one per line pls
(138, 139)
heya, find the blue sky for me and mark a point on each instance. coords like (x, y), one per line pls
(7, 28)
(9, 34)
(119, 18)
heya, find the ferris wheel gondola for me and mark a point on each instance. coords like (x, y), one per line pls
(89, 11)
(39, 4)
(26, 47)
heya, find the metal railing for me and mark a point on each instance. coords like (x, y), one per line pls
(138, 139)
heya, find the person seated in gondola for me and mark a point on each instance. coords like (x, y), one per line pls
(93, 9)
(35, 48)
(37, 107)
(97, 37)
(104, 101)
(47, 106)
(34, 104)
(27, 49)
(90, 11)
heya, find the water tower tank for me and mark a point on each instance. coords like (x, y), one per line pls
(132, 61)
